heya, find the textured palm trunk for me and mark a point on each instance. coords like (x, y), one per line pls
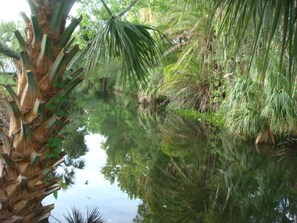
(44, 78)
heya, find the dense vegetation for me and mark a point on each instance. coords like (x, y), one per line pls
(223, 57)
(230, 62)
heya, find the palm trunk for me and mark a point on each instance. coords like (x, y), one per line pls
(25, 168)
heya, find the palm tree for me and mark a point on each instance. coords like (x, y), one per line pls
(29, 153)
(24, 165)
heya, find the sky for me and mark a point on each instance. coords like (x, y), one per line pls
(10, 10)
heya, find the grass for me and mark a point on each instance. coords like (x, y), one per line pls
(210, 117)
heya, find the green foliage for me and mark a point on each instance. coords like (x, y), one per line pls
(190, 79)
(243, 57)
(133, 44)
(211, 117)
(74, 133)
(6, 80)
(6, 67)
(252, 105)
(56, 148)
(258, 41)
(6, 32)
(245, 61)
(273, 25)
(74, 142)
(55, 194)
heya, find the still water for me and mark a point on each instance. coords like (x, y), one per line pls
(164, 168)
(91, 189)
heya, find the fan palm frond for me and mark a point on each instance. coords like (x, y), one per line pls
(132, 44)
(76, 216)
(94, 216)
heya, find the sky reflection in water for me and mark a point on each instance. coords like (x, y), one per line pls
(114, 205)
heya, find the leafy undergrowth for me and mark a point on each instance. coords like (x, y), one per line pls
(6, 80)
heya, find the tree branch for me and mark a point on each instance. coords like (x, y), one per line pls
(8, 52)
(106, 7)
(132, 3)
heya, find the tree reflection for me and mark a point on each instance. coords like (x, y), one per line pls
(262, 187)
(187, 171)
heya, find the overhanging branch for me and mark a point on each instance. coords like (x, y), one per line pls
(8, 52)
(132, 3)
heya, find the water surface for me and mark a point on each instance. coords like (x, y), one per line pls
(91, 189)
(180, 170)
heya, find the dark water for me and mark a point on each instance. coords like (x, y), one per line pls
(178, 170)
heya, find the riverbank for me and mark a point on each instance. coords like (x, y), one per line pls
(217, 119)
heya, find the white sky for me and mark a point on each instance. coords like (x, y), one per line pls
(10, 10)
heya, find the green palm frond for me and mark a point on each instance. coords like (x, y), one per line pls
(273, 24)
(264, 32)
(132, 44)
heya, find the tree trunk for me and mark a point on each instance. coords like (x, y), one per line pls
(35, 119)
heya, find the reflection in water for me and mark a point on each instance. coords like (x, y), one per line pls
(185, 171)
(92, 190)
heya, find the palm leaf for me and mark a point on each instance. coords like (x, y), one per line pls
(273, 22)
(132, 44)
(94, 216)
(76, 216)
